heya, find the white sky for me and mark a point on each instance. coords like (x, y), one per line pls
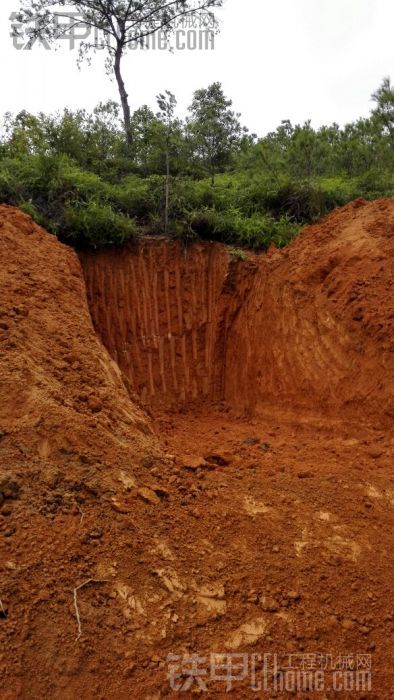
(278, 59)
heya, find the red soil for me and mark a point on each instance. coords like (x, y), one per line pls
(252, 512)
(310, 327)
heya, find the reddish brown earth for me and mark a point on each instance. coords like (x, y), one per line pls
(310, 327)
(250, 512)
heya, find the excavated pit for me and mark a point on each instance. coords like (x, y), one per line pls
(252, 514)
(306, 328)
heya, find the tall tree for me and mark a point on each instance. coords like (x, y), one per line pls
(167, 103)
(384, 111)
(214, 127)
(122, 22)
(144, 127)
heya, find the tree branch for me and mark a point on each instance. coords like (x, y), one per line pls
(161, 26)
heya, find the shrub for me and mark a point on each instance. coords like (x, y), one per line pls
(134, 197)
(243, 208)
(96, 225)
(232, 227)
(374, 184)
(31, 210)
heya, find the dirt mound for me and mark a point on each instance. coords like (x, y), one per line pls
(64, 392)
(69, 433)
(123, 539)
(307, 327)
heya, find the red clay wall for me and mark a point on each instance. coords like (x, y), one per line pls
(308, 327)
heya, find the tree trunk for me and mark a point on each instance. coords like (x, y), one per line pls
(123, 98)
(167, 205)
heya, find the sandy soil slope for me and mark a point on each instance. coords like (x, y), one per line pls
(246, 514)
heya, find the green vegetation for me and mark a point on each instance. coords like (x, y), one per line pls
(78, 175)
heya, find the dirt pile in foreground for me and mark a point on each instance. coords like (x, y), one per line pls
(210, 535)
(310, 327)
(61, 392)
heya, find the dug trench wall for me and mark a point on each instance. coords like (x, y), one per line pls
(309, 327)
